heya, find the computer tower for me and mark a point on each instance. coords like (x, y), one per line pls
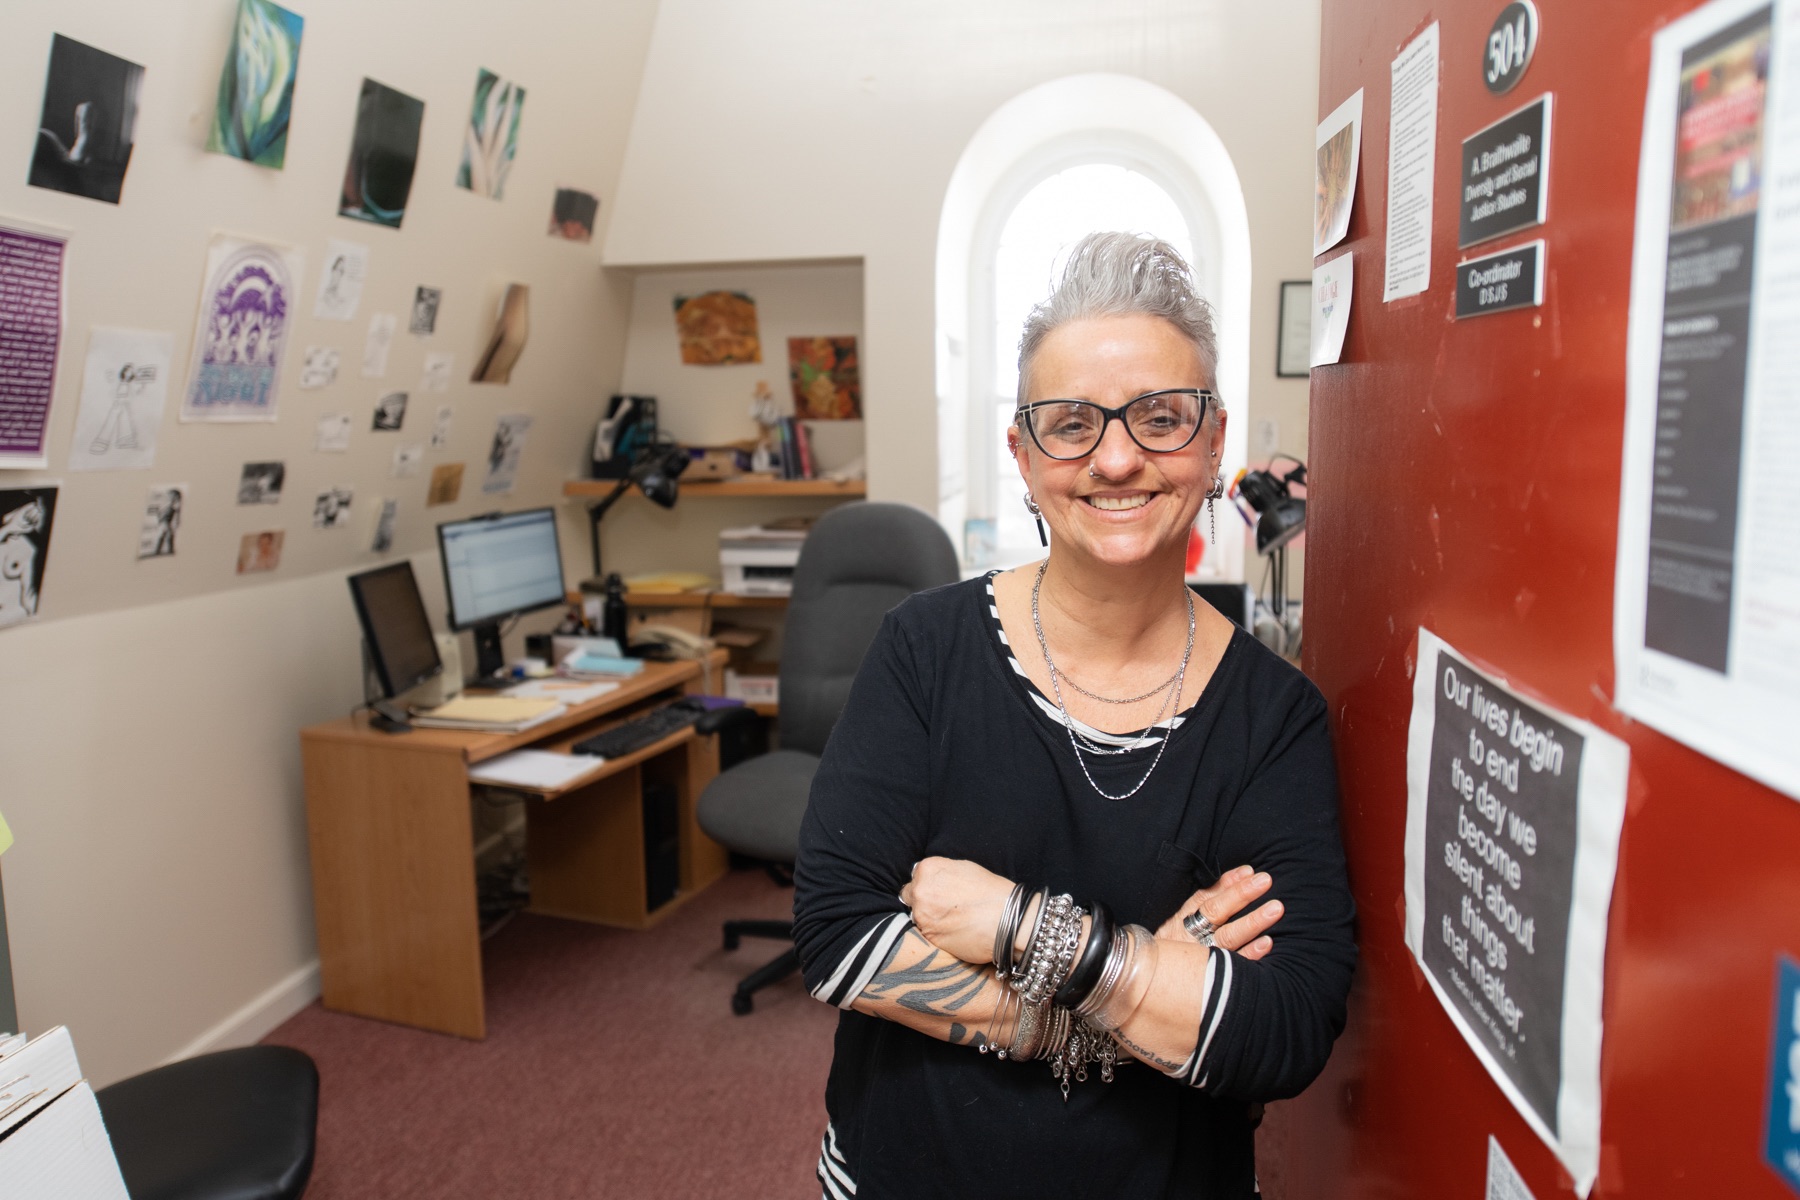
(662, 843)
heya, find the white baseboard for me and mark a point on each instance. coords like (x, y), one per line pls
(251, 1023)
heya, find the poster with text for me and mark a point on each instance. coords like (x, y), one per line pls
(1513, 814)
(124, 389)
(26, 515)
(241, 336)
(1706, 620)
(31, 320)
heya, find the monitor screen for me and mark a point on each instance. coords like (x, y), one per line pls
(499, 565)
(395, 627)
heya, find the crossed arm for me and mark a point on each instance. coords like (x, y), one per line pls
(937, 979)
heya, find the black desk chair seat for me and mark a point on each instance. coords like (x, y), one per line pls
(858, 562)
(235, 1125)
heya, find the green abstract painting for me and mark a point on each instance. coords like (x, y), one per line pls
(256, 88)
(492, 137)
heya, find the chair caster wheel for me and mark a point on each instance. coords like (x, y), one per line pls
(741, 1004)
(731, 941)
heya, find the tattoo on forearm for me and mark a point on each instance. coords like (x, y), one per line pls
(1145, 1054)
(937, 985)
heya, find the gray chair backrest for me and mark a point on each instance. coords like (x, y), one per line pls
(858, 562)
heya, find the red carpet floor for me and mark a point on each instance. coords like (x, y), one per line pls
(612, 1067)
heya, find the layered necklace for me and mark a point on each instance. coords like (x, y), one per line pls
(1172, 685)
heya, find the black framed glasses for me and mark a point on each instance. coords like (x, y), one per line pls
(1160, 422)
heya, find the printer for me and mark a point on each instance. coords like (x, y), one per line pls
(757, 560)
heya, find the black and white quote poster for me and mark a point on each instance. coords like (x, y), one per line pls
(1513, 813)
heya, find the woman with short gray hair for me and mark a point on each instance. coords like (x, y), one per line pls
(1036, 769)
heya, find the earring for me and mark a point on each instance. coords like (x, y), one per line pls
(1212, 517)
(1037, 515)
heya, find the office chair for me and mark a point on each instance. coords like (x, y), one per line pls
(233, 1125)
(858, 562)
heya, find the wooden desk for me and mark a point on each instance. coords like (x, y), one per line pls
(388, 823)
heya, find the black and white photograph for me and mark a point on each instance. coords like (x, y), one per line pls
(162, 521)
(84, 136)
(260, 482)
(425, 311)
(383, 541)
(26, 515)
(332, 509)
(390, 412)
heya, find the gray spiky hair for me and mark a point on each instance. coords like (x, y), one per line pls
(1116, 275)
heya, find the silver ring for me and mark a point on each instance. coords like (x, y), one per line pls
(1199, 928)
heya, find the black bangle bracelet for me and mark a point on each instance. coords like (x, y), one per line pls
(1011, 917)
(1086, 974)
(1023, 959)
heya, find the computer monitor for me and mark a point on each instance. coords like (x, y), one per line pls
(497, 567)
(395, 628)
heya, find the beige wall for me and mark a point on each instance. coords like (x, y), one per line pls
(158, 896)
(798, 129)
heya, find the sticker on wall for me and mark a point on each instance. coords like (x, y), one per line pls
(823, 374)
(162, 521)
(26, 516)
(331, 510)
(1331, 294)
(261, 482)
(436, 376)
(246, 307)
(382, 540)
(440, 427)
(1705, 631)
(406, 460)
(1781, 1138)
(376, 345)
(256, 86)
(89, 120)
(383, 152)
(426, 301)
(1513, 814)
(446, 484)
(124, 389)
(511, 326)
(1337, 150)
(717, 328)
(260, 551)
(319, 367)
(1412, 157)
(331, 433)
(341, 280)
(504, 452)
(572, 214)
(491, 140)
(31, 322)
(390, 412)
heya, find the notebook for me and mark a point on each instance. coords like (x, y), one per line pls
(501, 714)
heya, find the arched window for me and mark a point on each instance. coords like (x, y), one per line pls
(1054, 164)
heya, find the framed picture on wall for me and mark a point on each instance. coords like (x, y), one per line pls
(1294, 337)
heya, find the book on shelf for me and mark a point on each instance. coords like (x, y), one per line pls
(803, 436)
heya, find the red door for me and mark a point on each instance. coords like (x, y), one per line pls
(1465, 476)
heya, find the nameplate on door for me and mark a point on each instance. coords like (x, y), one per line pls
(1494, 283)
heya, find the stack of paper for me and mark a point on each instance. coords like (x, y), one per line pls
(535, 770)
(52, 1140)
(492, 714)
(584, 664)
(563, 691)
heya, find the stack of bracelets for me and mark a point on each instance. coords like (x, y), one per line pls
(1061, 1006)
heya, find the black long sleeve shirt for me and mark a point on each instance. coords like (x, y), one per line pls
(945, 748)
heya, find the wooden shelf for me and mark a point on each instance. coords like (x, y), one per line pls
(701, 600)
(748, 485)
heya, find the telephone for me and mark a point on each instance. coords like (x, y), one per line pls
(678, 643)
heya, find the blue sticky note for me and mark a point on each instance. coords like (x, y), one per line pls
(1782, 1148)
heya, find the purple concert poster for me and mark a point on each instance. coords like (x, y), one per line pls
(31, 317)
(246, 307)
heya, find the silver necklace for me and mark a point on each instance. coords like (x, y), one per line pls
(1069, 722)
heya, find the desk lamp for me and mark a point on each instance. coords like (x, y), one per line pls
(1281, 517)
(655, 473)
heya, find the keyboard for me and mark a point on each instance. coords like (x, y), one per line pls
(639, 732)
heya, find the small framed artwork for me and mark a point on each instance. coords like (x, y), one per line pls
(1294, 333)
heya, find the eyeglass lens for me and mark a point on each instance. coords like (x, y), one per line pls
(1161, 421)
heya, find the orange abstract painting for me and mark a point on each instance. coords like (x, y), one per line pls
(717, 328)
(827, 386)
